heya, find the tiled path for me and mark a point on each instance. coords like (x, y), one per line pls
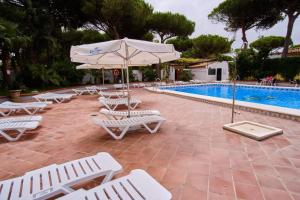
(191, 155)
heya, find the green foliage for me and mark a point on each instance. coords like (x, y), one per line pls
(119, 18)
(149, 73)
(247, 64)
(186, 75)
(287, 67)
(168, 25)
(181, 44)
(210, 46)
(265, 45)
(244, 15)
(250, 64)
(295, 46)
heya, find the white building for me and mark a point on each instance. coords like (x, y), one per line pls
(205, 71)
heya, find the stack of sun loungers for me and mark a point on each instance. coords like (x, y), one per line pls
(18, 125)
(58, 179)
(120, 122)
(113, 104)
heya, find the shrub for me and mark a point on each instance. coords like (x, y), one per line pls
(288, 67)
(186, 75)
(149, 73)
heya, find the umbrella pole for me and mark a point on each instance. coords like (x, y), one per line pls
(122, 72)
(127, 75)
(103, 76)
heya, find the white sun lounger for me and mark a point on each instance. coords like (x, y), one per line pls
(97, 88)
(30, 107)
(20, 127)
(117, 115)
(37, 118)
(112, 104)
(113, 127)
(119, 86)
(55, 97)
(57, 179)
(113, 94)
(138, 185)
(81, 91)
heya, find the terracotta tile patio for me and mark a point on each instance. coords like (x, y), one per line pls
(191, 155)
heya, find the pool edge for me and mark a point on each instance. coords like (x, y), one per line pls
(274, 111)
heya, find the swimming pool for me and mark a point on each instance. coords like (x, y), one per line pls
(274, 96)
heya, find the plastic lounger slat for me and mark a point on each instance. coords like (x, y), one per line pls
(81, 168)
(45, 180)
(54, 176)
(71, 173)
(111, 193)
(62, 174)
(15, 192)
(26, 190)
(5, 189)
(91, 162)
(132, 191)
(98, 194)
(36, 183)
(121, 191)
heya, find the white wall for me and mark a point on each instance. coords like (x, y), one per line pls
(172, 73)
(202, 73)
(138, 75)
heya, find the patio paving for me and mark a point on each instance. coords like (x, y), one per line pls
(191, 155)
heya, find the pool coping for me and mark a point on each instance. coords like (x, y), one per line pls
(276, 111)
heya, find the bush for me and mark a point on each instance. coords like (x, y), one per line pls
(149, 74)
(288, 67)
(186, 75)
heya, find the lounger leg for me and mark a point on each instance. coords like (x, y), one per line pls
(5, 115)
(156, 127)
(13, 139)
(124, 131)
(134, 106)
(107, 106)
(108, 177)
(28, 111)
(114, 108)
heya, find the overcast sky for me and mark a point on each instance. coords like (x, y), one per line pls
(198, 10)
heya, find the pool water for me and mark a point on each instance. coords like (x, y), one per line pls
(289, 98)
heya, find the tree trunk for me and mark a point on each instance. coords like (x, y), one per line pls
(5, 67)
(244, 38)
(116, 34)
(291, 21)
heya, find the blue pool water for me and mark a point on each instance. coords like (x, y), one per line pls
(289, 98)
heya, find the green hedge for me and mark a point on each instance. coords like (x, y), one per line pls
(288, 68)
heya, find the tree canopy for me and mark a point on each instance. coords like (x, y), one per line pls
(168, 25)
(181, 44)
(291, 10)
(118, 18)
(244, 15)
(210, 46)
(265, 45)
